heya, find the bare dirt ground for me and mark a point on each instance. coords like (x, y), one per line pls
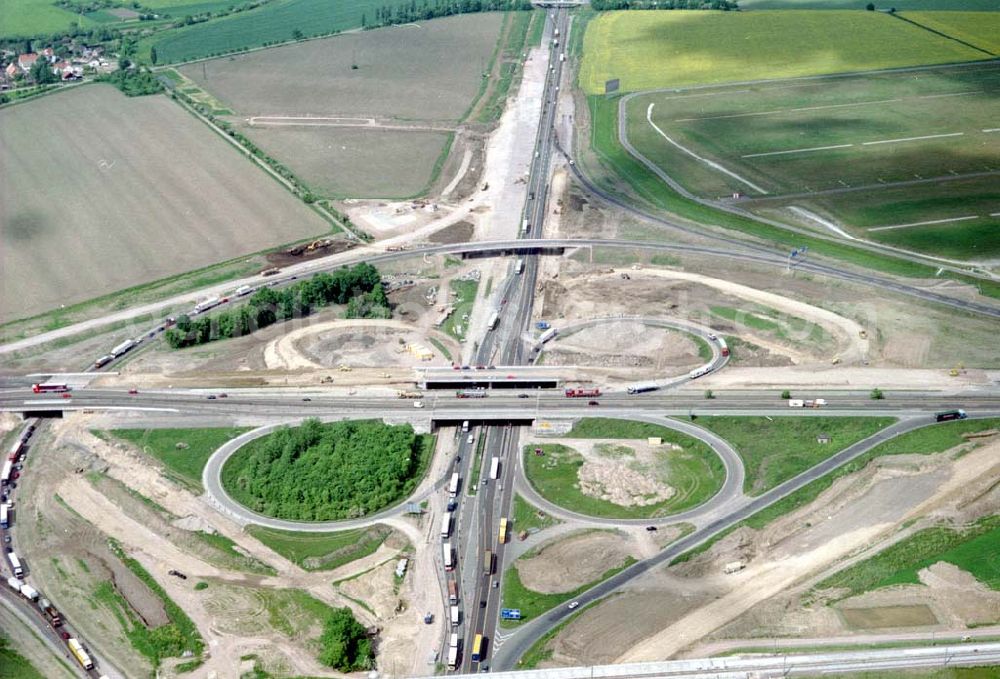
(628, 475)
(149, 534)
(570, 562)
(359, 343)
(622, 344)
(125, 209)
(768, 599)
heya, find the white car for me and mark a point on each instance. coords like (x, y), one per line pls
(573, 604)
(418, 404)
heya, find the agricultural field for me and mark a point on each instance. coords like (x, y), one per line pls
(32, 17)
(901, 5)
(341, 162)
(380, 130)
(650, 49)
(275, 21)
(907, 161)
(126, 180)
(975, 28)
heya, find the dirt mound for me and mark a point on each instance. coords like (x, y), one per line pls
(571, 562)
(624, 344)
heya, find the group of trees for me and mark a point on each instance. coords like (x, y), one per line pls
(388, 15)
(134, 82)
(360, 287)
(604, 5)
(344, 643)
(323, 472)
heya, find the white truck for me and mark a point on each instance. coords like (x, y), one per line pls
(806, 403)
(29, 592)
(123, 348)
(453, 651)
(454, 616)
(445, 526)
(15, 564)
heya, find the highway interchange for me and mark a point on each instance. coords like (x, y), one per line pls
(496, 420)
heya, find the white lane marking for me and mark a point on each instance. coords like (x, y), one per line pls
(992, 129)
(995, 214)
(928, 223)
(902, 139)
(808, 150)
(710, 163)
(787, 110)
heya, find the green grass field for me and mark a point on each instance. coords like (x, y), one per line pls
(533, 604)
(274, 22)
(651, 49)
(975, 549)
(463, 302)
(776, 449)
(186, 463)
(13, 664)
(695, 472)
(611, 167)
(526, 517)
(845, 149)
(34, 17)
(972, 5)
(976, 28)
(322, 551)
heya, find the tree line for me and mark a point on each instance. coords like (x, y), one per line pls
(605, 5)
(324, 472)
(360, 287)
(404, 13)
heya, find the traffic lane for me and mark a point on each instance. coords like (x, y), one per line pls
(528, 634)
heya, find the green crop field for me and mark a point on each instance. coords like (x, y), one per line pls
(775, 449)
(976, 28)
(34, 17)
(972, 5)
(651, 49)
(865, 152)
(275, 21)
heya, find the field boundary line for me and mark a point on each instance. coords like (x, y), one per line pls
(873, 187)
(927, 223)
(902, 139)
(710, 163)
(943, 35)
(809, 150)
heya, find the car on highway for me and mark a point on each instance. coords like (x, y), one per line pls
(418, 404)
(593, 403)
(67, 395)
(177, 574)
(211, 397)
(650, 529)
(524, 395)
(573, 604)
(6, 539)
(133, 391)
(223, 395)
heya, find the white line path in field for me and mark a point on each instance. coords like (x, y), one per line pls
(928, 223)
(710, 163)
(903, 139)
(825, 106)
(808, 150)
(992, 129)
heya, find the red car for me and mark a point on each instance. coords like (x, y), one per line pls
(133, 391)
(67, 395)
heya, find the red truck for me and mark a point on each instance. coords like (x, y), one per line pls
(578, 392)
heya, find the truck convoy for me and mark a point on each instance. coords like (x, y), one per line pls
(454, 616)
(50, 612)
(578, 392)
(449, 565)
(806, 403)
(453, 651)
(123, 348)
(15, 565)
(452, 592)
(445, 526)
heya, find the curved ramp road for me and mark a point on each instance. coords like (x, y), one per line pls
(727, 499)
(510, 649)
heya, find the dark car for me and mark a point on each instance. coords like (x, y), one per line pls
(482, 604)
(593, 403)
(651, 528)
(223, 395)
(524, 395)
(211, 397)
(177, 574)
(307, 399)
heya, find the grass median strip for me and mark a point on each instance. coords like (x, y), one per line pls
(323, 551)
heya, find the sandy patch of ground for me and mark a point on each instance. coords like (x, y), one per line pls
(629, 475)
(624, 344)
(573, 561)
(786, 558)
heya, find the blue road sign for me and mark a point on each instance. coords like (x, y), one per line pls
(510, 613)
